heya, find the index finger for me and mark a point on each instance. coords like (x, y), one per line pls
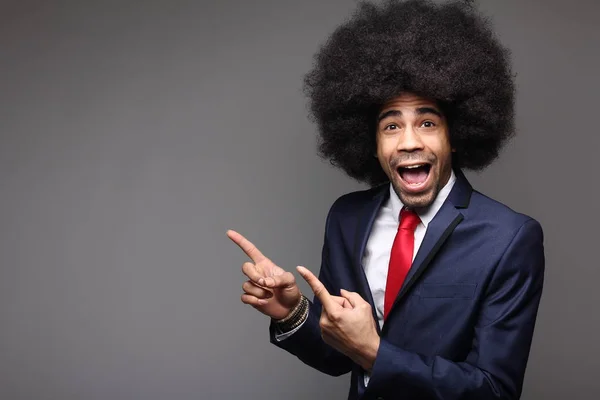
(318, 289)
(246, 246)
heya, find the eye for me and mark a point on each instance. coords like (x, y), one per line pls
(427, 124)
(390, 127)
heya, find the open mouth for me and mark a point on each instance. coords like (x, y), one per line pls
(414, 176)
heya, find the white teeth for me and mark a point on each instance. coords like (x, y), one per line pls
(414, 166)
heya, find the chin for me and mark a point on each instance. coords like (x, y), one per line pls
(422, 199)
(412, 197)
(417, 201)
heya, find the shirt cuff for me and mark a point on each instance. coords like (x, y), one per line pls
(282, 336)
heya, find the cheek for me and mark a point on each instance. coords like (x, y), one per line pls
(442, 149)
(383, 157)
(379, 151)
(384, 163)
(384, 148)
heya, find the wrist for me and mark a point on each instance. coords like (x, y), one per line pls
(295, 318)
(291, 311)
(368, 354)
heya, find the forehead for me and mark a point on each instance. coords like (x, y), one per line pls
(409, 102)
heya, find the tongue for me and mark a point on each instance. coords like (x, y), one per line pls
(414, 175)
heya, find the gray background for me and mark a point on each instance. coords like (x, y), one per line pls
(135, 133)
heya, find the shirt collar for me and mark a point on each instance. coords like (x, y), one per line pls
(425, 214)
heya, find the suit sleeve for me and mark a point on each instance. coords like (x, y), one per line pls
(306, 343)
(495, 366)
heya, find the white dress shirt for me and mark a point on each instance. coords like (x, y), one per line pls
(376, 257)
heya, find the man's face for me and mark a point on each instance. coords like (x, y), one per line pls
(413, 148)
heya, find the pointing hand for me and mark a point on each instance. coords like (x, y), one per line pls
(269, 289)
(347, 322)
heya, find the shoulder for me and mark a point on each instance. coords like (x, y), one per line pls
(346, 210)
(500, 219)
(349, 203)
(511, 240)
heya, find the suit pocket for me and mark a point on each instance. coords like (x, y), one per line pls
(445, 291)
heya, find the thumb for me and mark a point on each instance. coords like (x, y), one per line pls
(282, 281)
(341, 301)
(353, 298)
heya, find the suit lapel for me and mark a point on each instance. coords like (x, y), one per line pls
(438, 231)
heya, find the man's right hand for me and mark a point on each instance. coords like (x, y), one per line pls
(269, 289)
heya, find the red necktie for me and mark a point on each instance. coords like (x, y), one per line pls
(400, 257)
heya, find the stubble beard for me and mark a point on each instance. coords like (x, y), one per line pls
(420, 200)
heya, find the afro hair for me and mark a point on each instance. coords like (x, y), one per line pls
(447, 52)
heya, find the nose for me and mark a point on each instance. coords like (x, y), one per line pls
(409, 140)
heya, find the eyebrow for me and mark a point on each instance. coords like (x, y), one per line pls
(418, 111)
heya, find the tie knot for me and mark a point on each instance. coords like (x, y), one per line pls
(408, 219)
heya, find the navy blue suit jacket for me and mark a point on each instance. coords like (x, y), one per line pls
(462, 324)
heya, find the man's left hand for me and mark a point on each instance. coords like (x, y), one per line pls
(347, 322)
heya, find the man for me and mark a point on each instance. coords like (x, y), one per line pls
(427, 289)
